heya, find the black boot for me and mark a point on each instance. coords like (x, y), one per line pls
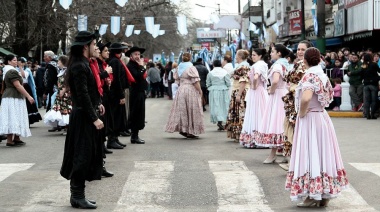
(119, 143)
(135, 138)
(106, 151)
(111, 144)
(106, 173)
(78, 199)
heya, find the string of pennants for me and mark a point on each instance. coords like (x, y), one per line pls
(151, 27)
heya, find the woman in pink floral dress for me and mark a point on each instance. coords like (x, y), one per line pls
(256, 99)
(186, 114)
(316, 168)
(270, 132)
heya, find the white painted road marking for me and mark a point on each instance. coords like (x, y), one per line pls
(238, 188)
(368, 167)
(7, 169)
(148, 187)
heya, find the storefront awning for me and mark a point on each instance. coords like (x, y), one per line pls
(330, 41)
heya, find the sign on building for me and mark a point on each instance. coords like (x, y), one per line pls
(202, 33)
(339, 26)
(295, 22)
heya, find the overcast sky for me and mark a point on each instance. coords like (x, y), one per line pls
(226, 6)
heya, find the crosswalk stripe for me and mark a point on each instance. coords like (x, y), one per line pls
(7, 169)
(148, 187)
(55, 195)
(238, 188)
(349, 200)
(369, 167)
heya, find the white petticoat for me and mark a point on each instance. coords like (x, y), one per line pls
(14, 117)
(52, 118)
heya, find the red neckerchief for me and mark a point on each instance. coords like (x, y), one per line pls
(95, 71)
(104, 64)
(129, 75)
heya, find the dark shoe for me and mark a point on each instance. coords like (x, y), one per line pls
(82, 203)
(20, 143)
(106, 151)
(113, 145)
(125, 133)
(106, 173)
(183, 134)
(12, 145)
(204, 109)
(55, 129)
(119, 143)
(137, 141)
(3, 137)
(191, 136)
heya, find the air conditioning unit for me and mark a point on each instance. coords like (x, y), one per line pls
(289, 8)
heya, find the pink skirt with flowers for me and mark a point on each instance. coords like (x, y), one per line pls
(316, 167)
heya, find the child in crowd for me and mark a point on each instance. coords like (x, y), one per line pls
(337, 94)
(337, 71)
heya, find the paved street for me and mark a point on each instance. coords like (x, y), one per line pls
(171, 173)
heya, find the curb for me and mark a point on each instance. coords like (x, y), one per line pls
(345, 114)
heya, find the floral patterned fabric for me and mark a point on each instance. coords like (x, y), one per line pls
(292, 78)
(316, 168)
(236, 110)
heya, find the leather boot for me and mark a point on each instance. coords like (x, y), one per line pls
(77, 198)
(106, 173)
(106, 151)
(135, 138)
(111, 144)
(119, 143)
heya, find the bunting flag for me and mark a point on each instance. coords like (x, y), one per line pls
(214, 18)
(115, 24)
(137, 32)
(129, 30)
(171, 58)
(121, 3)
(103, 29)
(315, 21)
(163, 61)
(252, 27)
(233, 53)
(314, 15)
(242, 36)
(149, 24)
(156, 30)
(161, 32)
(65, 3)
(275, 28)
(182, 25)
(82, 23)
(265, 32)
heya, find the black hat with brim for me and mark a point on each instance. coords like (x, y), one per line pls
(83, 38)
(115, 46)
(102, 45)
(134, 49)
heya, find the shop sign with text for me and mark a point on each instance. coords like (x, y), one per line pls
(295, 22)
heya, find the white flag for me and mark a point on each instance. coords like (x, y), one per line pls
(214, 18)
(265, 32)
(182, 25)
(242, 36)
(121, 3)
(65, 3)
(82, 23)
(129, 30)
(156, 30)
(103, 29)
(137, 32)
(252, 27)
(115, 24)
(149, 24)
(161, 32)
(275, 28)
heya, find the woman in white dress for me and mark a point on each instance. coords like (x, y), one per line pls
(13, 113)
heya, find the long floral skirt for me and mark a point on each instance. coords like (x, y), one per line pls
(235, 116)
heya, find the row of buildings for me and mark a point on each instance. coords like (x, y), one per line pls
(352, 23)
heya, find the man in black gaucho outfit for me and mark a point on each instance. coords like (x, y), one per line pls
(137, 93)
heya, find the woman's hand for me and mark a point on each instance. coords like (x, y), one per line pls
(122, 101)
(98, 124)
(31, 100)
(102, 110)
(238, 99)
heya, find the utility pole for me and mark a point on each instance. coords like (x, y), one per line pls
(303, 29)
(240, 41)
(321, 41)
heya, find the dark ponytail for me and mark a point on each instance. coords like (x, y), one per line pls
(282, 49)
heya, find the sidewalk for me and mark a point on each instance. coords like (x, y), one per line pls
(345, 114)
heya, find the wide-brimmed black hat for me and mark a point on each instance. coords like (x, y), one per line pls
(102, 45)
(134, 49)
(83, 38)
(117, 46)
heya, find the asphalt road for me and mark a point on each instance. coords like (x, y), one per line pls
(172, 173)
